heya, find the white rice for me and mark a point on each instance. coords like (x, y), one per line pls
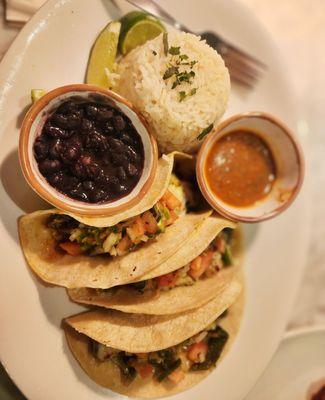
(175, 123)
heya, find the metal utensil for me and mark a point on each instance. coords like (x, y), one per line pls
(243, 68)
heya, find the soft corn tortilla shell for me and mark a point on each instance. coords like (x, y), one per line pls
(139, 333)
(158, 188)
(107, 374)
(100, 272)
(176, 300)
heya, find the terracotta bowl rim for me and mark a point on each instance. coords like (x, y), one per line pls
(41, 189)
(213, 136)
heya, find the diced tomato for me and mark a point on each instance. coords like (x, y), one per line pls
(72, 248)
(207, 259)
(167, 280)
(197, 352)
(200, 264)
(220, 244)
(150, 223)
(136, 230)
(176, 376)
(171, 201)
(145, 370)
(123, 246)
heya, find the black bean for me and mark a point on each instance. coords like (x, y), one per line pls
(41, 149)
(132, 154)
(79, 194)
(127, 139)
(60, 120)
(74, 120)
(67, 107)
(56, 148)
(119, 158)
(93, 170)
(88, 185)
(115, 144)
(91, 110)
(86, 125)
(104, 114)
(121, 173)
(131, 170)
(99, 195)
(70, 154)
(119, 123)
(56, 179)
(79, 170)
(96, 141)
(108, 128)
(70, 182)
(48, 166)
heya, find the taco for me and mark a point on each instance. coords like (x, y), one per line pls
(151, 356)
(64, 251)
(200, 270)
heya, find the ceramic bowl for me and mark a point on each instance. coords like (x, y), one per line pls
(31, 128)
(288, 160)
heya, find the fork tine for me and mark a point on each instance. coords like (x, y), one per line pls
(245, 55)
(241, 69)
(238, 78)
(240, 62)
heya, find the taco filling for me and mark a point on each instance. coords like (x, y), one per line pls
(76, 238)
(217, 256)
(198, 353)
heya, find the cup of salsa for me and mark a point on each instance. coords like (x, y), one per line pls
(250, 168)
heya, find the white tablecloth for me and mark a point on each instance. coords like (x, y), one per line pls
(298, 28)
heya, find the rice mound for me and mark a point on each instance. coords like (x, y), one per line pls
(175, 123)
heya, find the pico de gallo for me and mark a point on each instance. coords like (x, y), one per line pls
(217, 256)
(76, 238)
(198, 353)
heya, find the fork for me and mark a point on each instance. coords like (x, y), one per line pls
(244, 69)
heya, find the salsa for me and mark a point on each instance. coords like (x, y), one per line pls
(89, 150)
(240, 168)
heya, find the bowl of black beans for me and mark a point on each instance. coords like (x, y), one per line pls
(86, 150)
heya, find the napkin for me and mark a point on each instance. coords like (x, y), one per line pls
(21, 10)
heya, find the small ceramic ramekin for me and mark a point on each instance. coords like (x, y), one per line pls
(288, 159)
(32, 126)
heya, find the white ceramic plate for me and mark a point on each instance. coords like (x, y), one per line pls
(52, 50)
(297, 368)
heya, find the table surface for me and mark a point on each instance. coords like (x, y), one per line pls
(298, 29)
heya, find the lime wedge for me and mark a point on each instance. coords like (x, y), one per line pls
(36, 94)
(137, 28)
(102, 57)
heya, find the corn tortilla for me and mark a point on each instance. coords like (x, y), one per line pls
(108, 375)
(56, 268)
(178, 299)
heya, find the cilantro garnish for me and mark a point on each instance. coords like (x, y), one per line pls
(205, 131)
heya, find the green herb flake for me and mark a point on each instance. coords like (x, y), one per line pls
(154, 52)
(174, 51)
(205, 132)
(182, 96)
(192, 63)
(183, 57)
(165, 42)
(193, 91)
(170, 72)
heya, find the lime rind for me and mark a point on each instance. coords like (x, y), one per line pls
(137, 28)
(103, 55)
(36, 94)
